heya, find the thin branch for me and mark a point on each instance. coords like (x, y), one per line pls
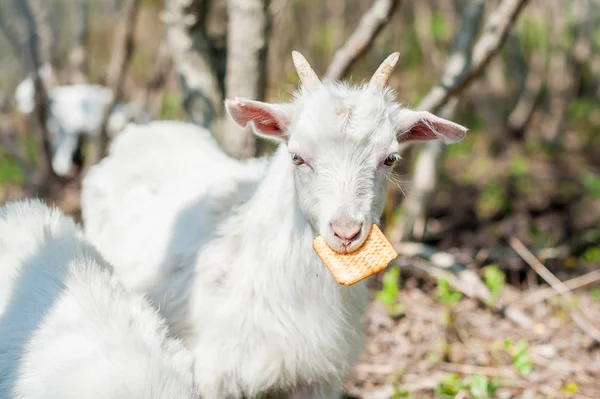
(423, 19)
(37, 16)
(361, 39)
(78, 54)
(443, 264)
(40, 91)
(427, 167)
(117, 69)
(521, 114)
(495, 32)
(547, 293)
(17, 41)
(195, 60)
(578, 317)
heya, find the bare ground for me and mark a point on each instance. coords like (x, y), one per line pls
(409, 351)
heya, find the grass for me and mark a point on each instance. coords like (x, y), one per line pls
(478, 386)
(388, 295)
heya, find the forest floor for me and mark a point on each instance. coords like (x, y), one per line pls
(479, 354)
(449, 345)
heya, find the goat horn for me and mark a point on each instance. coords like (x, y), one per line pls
(382, 74)
(308, 77)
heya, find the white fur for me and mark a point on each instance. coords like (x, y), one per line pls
(68, 328)
(224, 247)
(75, 111)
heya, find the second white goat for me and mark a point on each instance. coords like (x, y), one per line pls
(76, 111)
(68, 328)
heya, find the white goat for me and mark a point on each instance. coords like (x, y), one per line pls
(224, 247)
(75, 111)
(68, 328)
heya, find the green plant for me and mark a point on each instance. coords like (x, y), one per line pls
(440, 28)
(519, 353)
(591, 255)
(398, 393)
(492, 200)
(518, 167)
(171, 106)
(494, 280)
(478, 386)
(389, 292)
(447, 297)
(591, 182)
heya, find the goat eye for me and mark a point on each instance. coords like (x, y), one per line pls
(297, 159)
(390, 160)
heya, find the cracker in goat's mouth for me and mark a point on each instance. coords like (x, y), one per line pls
(371, 257)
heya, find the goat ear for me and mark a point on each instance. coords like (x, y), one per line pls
(268, 120)
(423, 125)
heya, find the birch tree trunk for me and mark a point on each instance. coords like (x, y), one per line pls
(462, 67)
(78, 54)
(428, 160)
(194, 60)
(247, 43)
(33, 14)
(117, 69)
(371, 23)
(44, 39)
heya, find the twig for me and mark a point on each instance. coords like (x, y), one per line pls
(78, 53)
(521, 114)
(387, 391)
(422, 25)
(560, 287)
(361, 39)
(495, 32)
(41, 94)
(121, 56)
(473, 369)
(467, 59)
(195, 61)
(442, 264)
(547, 293)
(15, 39)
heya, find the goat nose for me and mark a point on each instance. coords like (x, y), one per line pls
(346, 229)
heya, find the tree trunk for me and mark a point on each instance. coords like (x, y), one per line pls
(247, 42)
(427, 166)
(78, 54)
(194, 60)
(44, 40)
(117, 69)
(374, 20)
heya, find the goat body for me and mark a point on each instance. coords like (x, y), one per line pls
(224, 247)
(76, 111)
(250, 295)
(68, 328)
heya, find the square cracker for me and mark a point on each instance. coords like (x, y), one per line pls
(371, 257)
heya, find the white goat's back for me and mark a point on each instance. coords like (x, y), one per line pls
(80, 107)
(69, 329)
(159, 176)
